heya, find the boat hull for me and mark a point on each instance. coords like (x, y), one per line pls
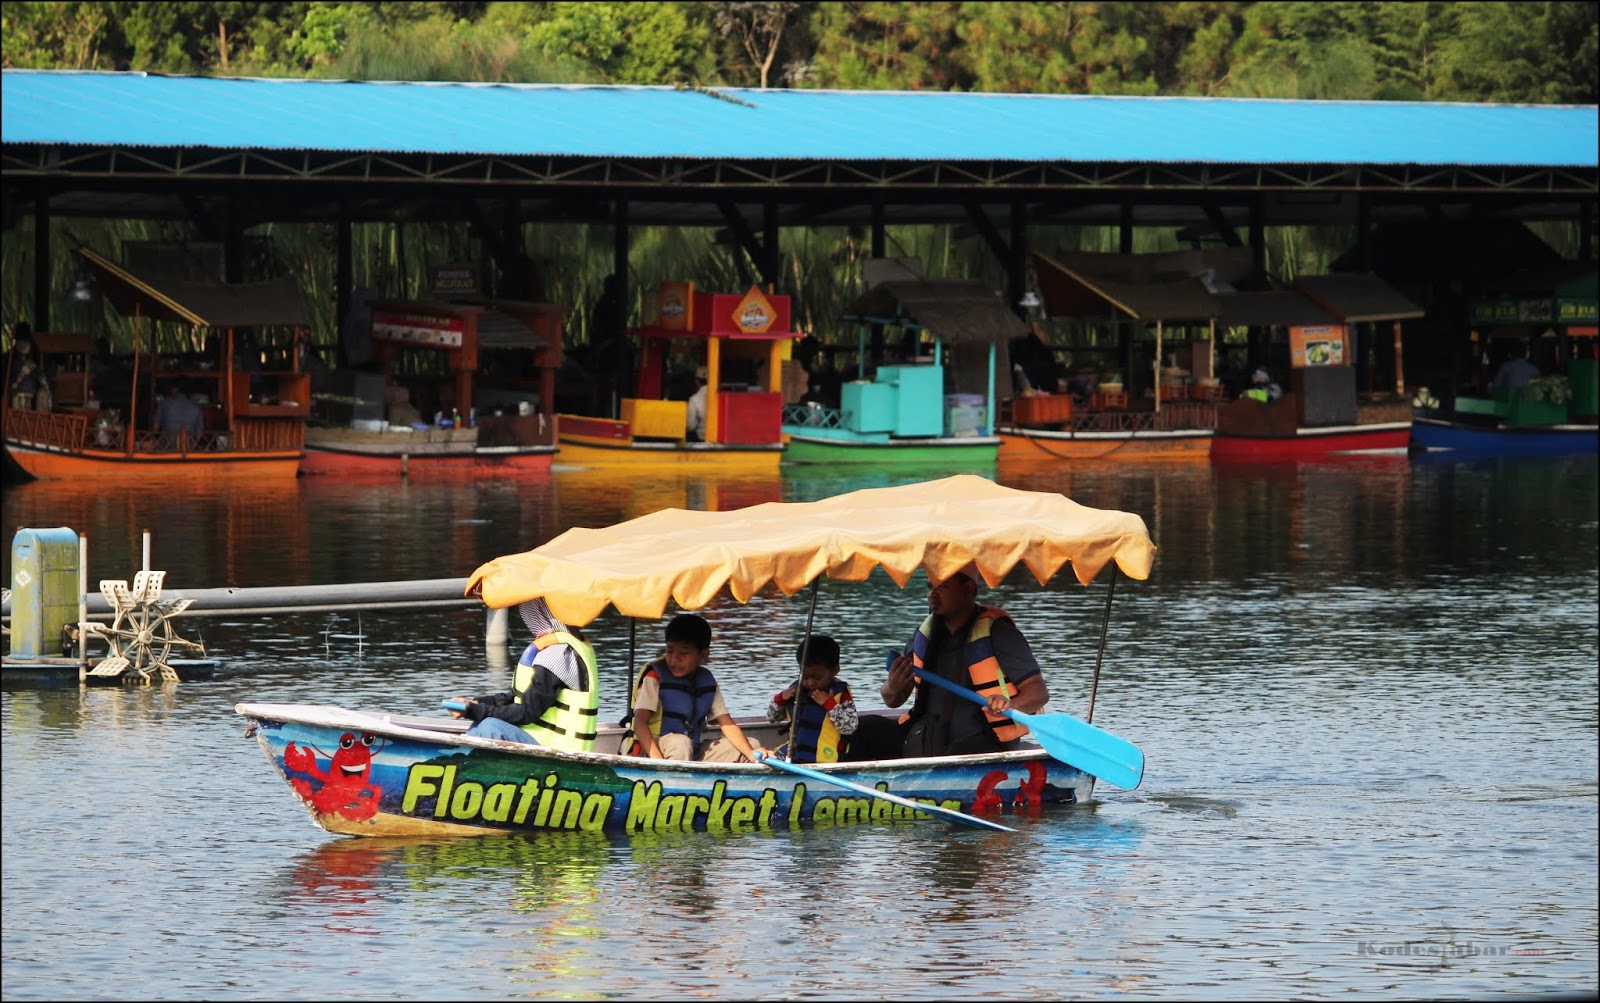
(345, 461)
(367, 774)
(1311, 443)
(44, 463)
(811, 446)
(1142, 446)
(417, 453)
(1432, 435)
(683, 456)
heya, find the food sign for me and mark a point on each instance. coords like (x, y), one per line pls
(1317, 345)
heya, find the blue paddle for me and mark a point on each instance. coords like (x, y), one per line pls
(781, 764)
(1093, 750)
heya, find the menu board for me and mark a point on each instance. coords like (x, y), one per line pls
(1318, 345)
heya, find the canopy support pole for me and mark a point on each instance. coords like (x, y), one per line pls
(1105, 624)
(805, 649)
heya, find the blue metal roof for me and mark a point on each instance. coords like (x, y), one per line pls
(134, 109)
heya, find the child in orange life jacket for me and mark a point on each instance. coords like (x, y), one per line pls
(827, 711)
(677, 695)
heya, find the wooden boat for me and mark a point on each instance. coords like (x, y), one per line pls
(738, 344)
(499, 359)
(1250, 431)
(381, 774)
(1433, 435)
(825, 435)
(903, 415)
(254, 420)
(421, 452)
(1141, 446)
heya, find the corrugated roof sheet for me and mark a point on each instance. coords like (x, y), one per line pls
(135, 109)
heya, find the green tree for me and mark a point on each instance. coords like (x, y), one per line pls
(895, 46)
(628, 43)
(1521, 52)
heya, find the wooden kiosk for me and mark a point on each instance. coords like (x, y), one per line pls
(741, 340)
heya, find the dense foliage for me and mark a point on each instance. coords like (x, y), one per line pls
(1518, 52)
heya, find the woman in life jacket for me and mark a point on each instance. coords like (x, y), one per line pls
(554, 698)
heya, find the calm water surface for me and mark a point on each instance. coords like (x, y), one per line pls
(1366, 691)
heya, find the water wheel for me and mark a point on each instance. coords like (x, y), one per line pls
(141, 637)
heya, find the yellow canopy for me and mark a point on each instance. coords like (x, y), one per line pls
(938, 525)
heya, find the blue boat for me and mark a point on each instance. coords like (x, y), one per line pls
(1498, 439)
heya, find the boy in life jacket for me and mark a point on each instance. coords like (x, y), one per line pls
(977, 646)
(554, 698)
(677, 695)
(826, 710)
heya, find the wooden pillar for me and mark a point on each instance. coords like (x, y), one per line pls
(1399, 367)
(41, 261)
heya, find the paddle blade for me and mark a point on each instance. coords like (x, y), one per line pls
(1093, 750)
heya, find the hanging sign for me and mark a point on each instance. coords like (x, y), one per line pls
(417, 329)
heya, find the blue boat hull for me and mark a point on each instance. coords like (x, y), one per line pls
(376, 775)
(1481, 439)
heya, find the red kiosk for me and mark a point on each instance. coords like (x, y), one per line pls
(741, 340)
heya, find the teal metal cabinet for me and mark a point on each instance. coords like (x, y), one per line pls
(867, 407)
(44, 589)
(919, 398)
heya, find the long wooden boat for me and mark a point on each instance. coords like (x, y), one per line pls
(253, 415)
(418, 453)
(364, 772)
(1465, 437)
(1253, 432)
(814, 445)
(57, 446)
(1142, 445)
(604, 442)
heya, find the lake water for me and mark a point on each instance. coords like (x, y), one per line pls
(1366, 691)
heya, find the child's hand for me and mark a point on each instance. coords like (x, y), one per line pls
(820, 696)
(789, 693)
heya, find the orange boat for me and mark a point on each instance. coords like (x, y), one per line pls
(252, 415)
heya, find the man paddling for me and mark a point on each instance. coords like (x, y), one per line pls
(972, 644)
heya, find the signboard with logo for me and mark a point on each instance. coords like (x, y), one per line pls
(675, 306)
(1317, 345)
(754, 314)
(431, 330)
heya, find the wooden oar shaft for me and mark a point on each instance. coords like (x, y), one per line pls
(780, 764)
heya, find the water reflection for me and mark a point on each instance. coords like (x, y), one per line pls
(1367, 694)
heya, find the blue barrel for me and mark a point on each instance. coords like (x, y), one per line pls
(44, 589)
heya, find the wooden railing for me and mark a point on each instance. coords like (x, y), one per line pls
(47, 429)
(72, 432)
